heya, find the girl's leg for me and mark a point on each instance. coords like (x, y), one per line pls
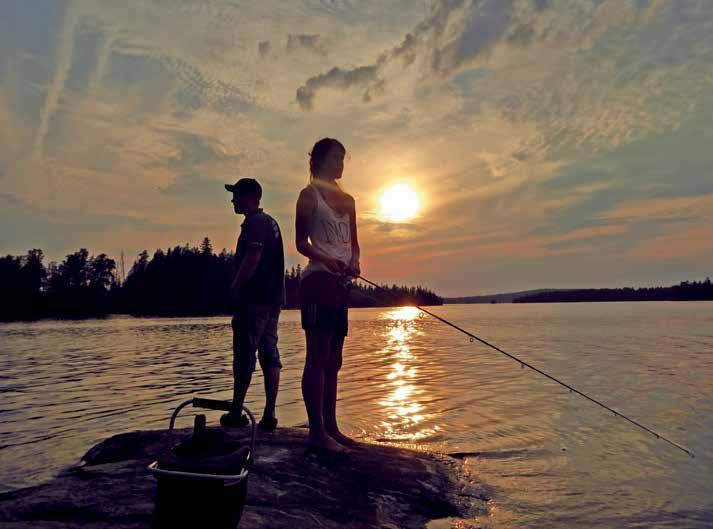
(313, 378)
(329, 407)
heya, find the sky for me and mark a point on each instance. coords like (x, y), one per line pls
(552, 144)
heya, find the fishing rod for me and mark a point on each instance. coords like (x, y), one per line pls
(524, 364)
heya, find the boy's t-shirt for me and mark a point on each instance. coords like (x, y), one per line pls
(267, 284)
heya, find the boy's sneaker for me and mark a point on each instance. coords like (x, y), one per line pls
(233, 420)
(267, 424)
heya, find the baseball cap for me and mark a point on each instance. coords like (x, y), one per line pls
(245, 186)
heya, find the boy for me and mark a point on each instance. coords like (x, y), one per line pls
(258, 292)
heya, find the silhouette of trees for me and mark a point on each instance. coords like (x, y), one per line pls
(33, 274)
(182, 280)
(684, 291)
(206, 247)
(186, 280)
(79, 286)
(22, 279)
(366, 295)
(387, 296)
(292, 286)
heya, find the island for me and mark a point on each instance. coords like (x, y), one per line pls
(375, 486)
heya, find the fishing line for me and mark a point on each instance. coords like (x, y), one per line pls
(524, 364)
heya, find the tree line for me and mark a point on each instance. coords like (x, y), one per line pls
(684, 291)
(180, 281)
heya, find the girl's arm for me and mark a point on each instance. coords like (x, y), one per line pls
(354, 264)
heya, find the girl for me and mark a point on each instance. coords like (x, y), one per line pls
(326, 233)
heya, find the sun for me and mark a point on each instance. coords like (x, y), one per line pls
(399, 203)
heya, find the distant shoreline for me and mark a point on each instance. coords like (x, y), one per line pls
(226, 315)
(445, 302)
(684, 291)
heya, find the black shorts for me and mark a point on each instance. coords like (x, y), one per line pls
(255, 329)
(324, 303)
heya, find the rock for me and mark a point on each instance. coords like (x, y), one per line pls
(374, 486)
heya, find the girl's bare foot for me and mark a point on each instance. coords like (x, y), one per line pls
(327, 443)
(343, 439)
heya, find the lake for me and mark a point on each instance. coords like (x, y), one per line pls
(545, 457)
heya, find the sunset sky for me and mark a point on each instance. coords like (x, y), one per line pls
(550, 143)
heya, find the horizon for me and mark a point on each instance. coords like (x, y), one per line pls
(127, 266)
(492, 146)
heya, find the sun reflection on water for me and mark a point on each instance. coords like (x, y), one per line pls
(403, 405)
(402, 314)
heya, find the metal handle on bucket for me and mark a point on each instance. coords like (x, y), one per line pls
(223, 405)
(229, 479)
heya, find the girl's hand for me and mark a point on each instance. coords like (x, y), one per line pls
(354, 269)
(334, 265)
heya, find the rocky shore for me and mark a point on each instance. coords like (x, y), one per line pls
(374, 486)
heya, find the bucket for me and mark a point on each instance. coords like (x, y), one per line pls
(202, 481)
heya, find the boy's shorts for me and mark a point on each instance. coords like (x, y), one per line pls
(255, 329)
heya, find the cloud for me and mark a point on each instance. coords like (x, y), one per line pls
(578, 238)
(407, 51)
(194, 150)
(365, 76)
(197, 187)
(311, 43)
(222, 96)
(455, 33)
(64, 63)
(11, 199)
(693, 208)
(485, 25)
(684, 244)
(102, 62)
(460, 34)
(263, 48)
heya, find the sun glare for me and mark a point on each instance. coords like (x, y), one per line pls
(399, 203)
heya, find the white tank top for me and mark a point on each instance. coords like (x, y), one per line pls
(330, 234)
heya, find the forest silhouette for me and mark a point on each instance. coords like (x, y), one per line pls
(181, 281)
(194, 281)
(684, 291)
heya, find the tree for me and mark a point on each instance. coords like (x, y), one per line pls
(140, 263)
(101, 273)
(10, 294)
(206, 247)
(72, 273)
(33, 273)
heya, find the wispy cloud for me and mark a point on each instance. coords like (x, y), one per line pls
(64, 63)
(310, 43)
(336, 78)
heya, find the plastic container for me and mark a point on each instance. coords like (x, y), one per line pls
(202, 481)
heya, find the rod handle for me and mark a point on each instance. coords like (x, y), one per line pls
(212, 404)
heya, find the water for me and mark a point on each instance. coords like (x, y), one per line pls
(546, 457)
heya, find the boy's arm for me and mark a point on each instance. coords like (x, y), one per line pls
(247, 269)
(254, 234)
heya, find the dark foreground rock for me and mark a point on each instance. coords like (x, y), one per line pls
(373, 487)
